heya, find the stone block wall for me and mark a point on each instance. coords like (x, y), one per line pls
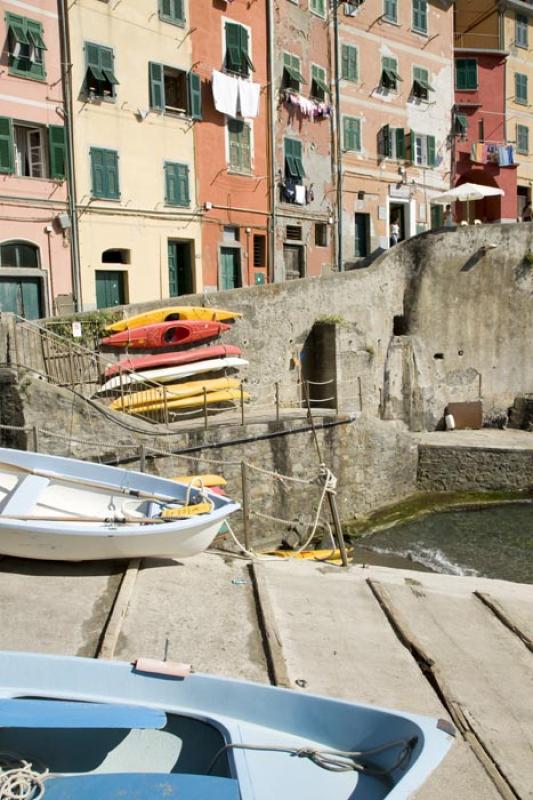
(449, 469)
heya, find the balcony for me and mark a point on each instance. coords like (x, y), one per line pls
(498, 154)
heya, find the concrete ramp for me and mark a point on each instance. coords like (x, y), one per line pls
(483, 669)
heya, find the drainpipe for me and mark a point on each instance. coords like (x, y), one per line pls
(66, 65)
(338, 143)
(272, 138)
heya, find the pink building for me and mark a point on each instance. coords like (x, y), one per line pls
(481, 153)
(35, 263)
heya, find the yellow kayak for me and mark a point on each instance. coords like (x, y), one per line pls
(196, 401)
(170, 313)
(207, 480)
(175, 391)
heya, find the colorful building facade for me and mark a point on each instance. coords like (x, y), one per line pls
(35, 263)
(303, 155)
(505, 28)
(395, 63)
(229, 51)
(136, 102)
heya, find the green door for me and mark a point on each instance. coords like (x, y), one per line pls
(361, 235)
(180, 279)
(109, 288)
(230, 272)
(21, 296)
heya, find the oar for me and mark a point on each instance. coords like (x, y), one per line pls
(110, 520)
(91, 484)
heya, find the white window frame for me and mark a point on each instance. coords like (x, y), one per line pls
(27, 131)
(250, 124)
(421, 138)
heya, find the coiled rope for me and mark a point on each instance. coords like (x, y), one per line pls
(19, 780)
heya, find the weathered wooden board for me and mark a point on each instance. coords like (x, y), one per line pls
(484, 669)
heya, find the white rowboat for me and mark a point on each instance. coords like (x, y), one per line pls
(63, 509)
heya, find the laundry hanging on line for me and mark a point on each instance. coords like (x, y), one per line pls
(235, 97)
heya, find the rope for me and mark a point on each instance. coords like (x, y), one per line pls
(333, 760)
(19, 780)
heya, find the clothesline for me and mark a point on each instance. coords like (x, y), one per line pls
(493, 153)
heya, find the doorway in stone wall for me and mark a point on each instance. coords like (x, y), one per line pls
(318, 368)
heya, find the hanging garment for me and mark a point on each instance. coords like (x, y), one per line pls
(225, 93)
(503, 156)
(249, 98)
(289, 192)
(299, 197)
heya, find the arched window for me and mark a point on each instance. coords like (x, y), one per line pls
(19, 254)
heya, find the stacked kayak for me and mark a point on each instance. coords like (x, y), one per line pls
(157, 381)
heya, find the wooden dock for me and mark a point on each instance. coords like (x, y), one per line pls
(458, 648)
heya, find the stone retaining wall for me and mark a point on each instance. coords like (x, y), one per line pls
(448, 469)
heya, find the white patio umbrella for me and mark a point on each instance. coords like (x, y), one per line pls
(465, 193)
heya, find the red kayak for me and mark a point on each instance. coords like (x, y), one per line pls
(165, 334)
(172, 359)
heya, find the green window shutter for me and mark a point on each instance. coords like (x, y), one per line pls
(247, 65)
(521, 30)
(7, 164)
(240, 156)
(520, 88)
(410, 149)
(384, 141)
(172, 10)
(294, 168)
(352, 133)
(391, 10)
(292, 77)
(194, 95)
(34, 31)
(98, 173)
(420, 15)
(157, 86)
(318, 6)
(57, 151)
(233, 47)
(349, 62)
(431, 151)
(522, 139)
(400, 143)
(177, 184)
(92, 55)
(111, 165)
(466, 73)
(104, 171)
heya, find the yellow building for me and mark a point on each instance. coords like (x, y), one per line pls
(507, 27)
(135, 99)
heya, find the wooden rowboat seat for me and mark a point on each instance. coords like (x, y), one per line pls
(24, 496)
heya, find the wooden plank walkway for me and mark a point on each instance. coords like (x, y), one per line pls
(449, 647)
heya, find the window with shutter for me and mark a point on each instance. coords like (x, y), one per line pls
(237, 55)
(352, 133)
(421, 86)
(420, 16)
(521, 32)
(294, 168)
(520, 83)
(26, 46)
(100, 79)
(522, 139)
(175, 91)
(104, 173)
(319, 87)
(389, 74)
(177, 184)
(194, 104)
(318, 7)
(466, 73)
(423, 150)
(390, 11)
(292, 77)
(57, 151)
(349, 62)
(239, 145)
(7, 163)
(172, 11)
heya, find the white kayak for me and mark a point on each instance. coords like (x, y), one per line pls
(63, 509)
(168, 374)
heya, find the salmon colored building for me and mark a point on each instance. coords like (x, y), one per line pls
(35, 267)
(481, 153)
(229, 52)
(303, 155)
(396, 93)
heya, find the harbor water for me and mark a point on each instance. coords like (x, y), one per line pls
(492, 542)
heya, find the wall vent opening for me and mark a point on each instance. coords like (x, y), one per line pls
(294, 233)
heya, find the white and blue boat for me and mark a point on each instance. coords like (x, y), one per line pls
(80, 729)
(68, 510)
